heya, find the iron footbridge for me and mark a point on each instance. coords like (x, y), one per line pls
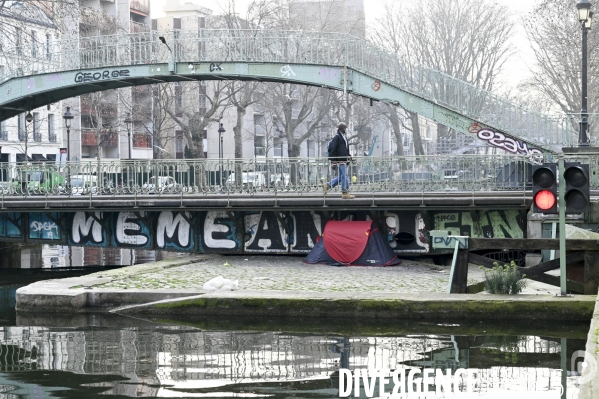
(40, 74)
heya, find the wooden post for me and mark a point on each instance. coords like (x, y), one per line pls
(459, 284)
(591, 272)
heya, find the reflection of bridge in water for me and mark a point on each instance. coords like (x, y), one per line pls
(154, 360)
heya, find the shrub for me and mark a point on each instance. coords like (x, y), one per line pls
(504, 279)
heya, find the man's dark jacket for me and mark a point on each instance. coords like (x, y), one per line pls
(339, 151)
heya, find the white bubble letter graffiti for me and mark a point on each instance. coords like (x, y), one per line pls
(122, 224)
(82, 226)
(167, 226)
(210, 227)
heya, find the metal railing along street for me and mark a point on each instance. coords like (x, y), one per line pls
(410, 174)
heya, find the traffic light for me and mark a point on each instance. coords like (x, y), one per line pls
(544, 188)
(577, 195)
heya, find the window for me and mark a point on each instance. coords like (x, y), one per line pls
(259, 150)
(33, 43)
(179, 144)
(37, 135)
(311, 146)
(51, 131)
(202, 22)
(259, 125)
(21, 126)
(48, 46)
(3, 131)
(142, 140)
(18, 40)
(202, 98)
(178, 100)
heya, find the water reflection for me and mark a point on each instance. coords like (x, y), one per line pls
(171, 361)
(19, 256)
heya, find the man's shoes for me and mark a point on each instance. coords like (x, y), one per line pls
(325, 187)
(347, 196)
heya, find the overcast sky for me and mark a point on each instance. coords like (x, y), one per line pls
(517, 67)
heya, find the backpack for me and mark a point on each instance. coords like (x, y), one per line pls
(330, 147)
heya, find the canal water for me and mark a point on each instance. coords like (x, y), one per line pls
(99, 356)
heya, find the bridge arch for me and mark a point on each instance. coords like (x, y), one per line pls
(340, 62)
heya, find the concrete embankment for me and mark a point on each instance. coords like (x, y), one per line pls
(383, 306)
(82, 294)
(590, 389)
(286, 287)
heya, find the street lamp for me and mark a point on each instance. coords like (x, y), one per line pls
(221, 130)
(128, 123)
(585, 18)
(68, 118)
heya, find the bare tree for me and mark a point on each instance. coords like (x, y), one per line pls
(555, 35)
(267, 130)
(191, 120)
(99, 122)
(467, 39)
(149, 105)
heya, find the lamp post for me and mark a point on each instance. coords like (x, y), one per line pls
(128, 123)
(68, 117)
(221, 130)
(585, 18)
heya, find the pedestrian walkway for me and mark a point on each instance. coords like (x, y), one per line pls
(290, 273)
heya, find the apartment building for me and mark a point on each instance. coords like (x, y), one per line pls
(34, 134)
(116, 124)
(193, 96)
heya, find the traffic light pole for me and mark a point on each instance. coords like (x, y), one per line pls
(562, 227)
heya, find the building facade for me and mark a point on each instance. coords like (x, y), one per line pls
(35, 134)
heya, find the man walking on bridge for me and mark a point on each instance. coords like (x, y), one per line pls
(339, 155)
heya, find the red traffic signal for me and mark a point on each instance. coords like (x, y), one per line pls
(544, 188)
(545, 200)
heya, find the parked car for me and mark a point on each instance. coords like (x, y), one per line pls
(248, 179)
(160, 184)
(39, 182)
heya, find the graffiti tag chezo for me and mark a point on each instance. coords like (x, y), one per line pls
(500, 140)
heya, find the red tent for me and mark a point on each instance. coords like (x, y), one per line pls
(357, 243)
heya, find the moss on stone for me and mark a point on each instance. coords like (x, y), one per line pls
(426, 309)
(201, 302)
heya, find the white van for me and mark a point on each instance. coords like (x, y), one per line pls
(84, 185)
(248, 179)
(160, 184)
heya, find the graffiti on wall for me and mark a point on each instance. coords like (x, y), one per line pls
(43, 226)
(248, 232)
(174, 230)
(490, 224)
(500, 140)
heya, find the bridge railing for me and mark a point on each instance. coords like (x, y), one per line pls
(326, 49)
(271, 176)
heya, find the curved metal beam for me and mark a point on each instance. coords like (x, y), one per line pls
(302, 57)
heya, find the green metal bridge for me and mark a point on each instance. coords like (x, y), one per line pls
(72, 67)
